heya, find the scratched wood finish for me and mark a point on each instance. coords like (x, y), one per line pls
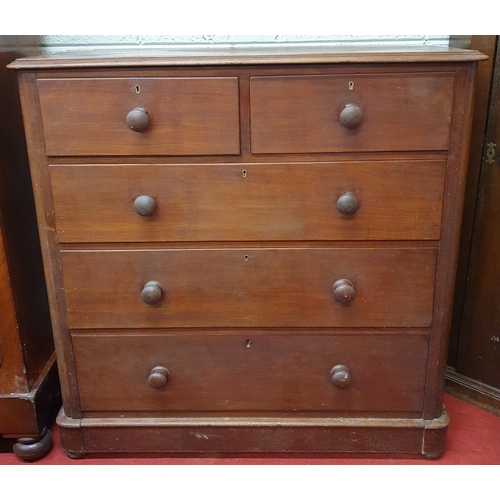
(245, 202)
(87, 116)
(274, 287)
(260, 373)
(287, 438)
(401, 112)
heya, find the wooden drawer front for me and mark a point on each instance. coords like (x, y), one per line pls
(276, 372)
(187, 116)
(251, 287)
(396, 200)
(400, 112)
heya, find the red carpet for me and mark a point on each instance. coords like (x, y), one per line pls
(473, 438)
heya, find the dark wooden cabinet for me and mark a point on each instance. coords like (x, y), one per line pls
(474, 358)
(29, 387)
(250, 252)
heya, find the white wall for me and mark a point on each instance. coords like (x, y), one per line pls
(59, 43)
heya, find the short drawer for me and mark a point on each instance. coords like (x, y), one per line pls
(250, 287)
(250, 372)
(183, 116)
(379, 200)
(382, 112)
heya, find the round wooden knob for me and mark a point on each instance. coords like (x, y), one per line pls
(138, 119)
(351, 116)
(343, 291)
(340, 376)
(152, 292)
(158, 378)
(144, 206)
(347, 204)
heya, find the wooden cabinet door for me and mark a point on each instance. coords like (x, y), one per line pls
(476, 353)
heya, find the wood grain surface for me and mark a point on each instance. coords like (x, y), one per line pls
(251, 287)
(482, 88)
(253, 373)
(12, 374)
(301, 114)
(88, 116)
(257, 197)
(398, 200)
(277, 54)
(479, 345)
(25, 329)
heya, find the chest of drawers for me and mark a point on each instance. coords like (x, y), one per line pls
(250, 252)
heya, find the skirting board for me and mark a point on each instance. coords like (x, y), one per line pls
(472, 391)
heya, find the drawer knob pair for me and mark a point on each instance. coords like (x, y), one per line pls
(341, 376)
(347, 204)
(152, 292)
(138, 119)
(343, 291)
(158, 378)
(351, 116)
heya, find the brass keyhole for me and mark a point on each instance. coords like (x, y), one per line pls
(137, 89)
(246, 258)
(490, 153)
(244, 173)
(351, 85)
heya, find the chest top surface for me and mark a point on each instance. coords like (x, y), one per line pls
(246, 55)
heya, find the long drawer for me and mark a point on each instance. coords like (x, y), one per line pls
(351, 112)
(203, 373)
(252, 287)
(378, 200)
(180, 116)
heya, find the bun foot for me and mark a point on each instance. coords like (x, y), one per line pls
(32, 449)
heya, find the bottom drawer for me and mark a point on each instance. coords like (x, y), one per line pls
(251, 372)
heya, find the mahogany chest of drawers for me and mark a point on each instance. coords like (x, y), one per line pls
(250, 252)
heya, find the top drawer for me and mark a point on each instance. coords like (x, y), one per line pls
(185, 116)
(320, 114)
